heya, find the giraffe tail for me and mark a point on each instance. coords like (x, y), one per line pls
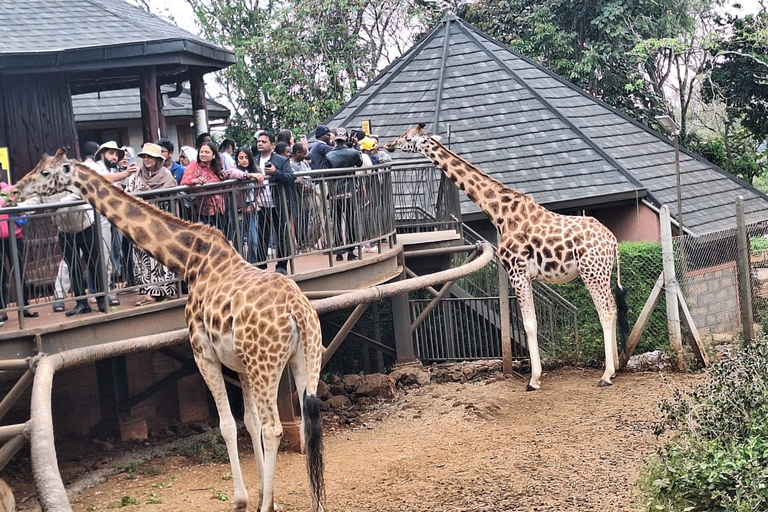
(622, 309)
(313, 443)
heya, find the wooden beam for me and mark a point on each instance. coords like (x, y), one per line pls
(696, 345)
(642, 321)
(199, 103)
(150, 116)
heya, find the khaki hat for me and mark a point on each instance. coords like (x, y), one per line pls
(110, 144)
(152, 150)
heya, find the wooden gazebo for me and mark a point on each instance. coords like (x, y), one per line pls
(53, 49)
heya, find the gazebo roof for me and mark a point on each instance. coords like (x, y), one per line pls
(538, 133)
(96, 36)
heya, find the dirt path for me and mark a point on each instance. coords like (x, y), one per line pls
(449, 447)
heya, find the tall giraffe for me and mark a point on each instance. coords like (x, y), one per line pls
(535, 243)
(252, 321)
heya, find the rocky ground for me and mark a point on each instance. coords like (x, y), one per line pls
(474, 442)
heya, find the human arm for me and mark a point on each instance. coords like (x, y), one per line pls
(282, 170)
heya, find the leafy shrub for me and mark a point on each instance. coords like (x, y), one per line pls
(640, 267)
(718, 461)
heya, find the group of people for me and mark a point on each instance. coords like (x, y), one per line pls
(268, 213)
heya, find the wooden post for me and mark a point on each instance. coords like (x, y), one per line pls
(199, 104)
(745, 286)
(504, 318)
(670, 287)
(150, 116)
(401, 316)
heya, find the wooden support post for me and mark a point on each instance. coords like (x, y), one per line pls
(745, 285)
(504, 319)
(402, 320)
(670, 286)
(199, 104)
(696, 345)
(150, 116)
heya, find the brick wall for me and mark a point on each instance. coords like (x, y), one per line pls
(712, 296)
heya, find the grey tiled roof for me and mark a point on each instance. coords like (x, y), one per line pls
(125, 104)
(538, 133)
(60, 32)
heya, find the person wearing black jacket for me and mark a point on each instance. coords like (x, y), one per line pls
(343, 193)
(274, 203)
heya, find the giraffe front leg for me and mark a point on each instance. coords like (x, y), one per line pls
(524, 292)
(211, 372)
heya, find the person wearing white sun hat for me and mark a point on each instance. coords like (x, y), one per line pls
(149, 273)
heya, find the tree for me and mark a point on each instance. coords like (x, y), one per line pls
(298, 62)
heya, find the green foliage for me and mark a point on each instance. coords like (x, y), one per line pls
(131, 468)
(739, 74)
(740, 156)
(219, 495)
(126, 501)
(154, 499)
(298, 62)
(211, 449)
(719, 459)
(640, 267)
(758, 244)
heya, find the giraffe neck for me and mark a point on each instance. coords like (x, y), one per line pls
(179, 245)
(492, 196)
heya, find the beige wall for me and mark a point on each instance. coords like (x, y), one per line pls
(632, 223)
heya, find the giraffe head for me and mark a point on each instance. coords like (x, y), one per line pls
(412, 141)
(51, 175)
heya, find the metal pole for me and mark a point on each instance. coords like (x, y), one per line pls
(679, 188)
(745, 287)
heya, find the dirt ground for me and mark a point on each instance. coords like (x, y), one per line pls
(487, 446)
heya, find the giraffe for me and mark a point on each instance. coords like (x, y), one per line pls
(535, 243)
(252, 321)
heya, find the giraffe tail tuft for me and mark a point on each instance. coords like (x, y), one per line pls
(313, 442)
(623, 310)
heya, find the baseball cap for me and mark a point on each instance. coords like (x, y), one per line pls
(341, 134)
(321, 130)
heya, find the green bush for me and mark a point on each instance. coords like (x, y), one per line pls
(640, 267)
(718, 461)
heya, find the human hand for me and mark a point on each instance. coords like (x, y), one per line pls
(132, 168)
(257, 176)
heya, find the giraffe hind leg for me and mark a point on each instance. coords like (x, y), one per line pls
(524, 293)
(606, 311)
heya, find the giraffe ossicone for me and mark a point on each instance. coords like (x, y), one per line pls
(252, 321)
(537, 244)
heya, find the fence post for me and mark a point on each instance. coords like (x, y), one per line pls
(745, 287)
(670, 287)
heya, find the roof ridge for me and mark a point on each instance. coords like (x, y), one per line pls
(401, 61)
(474, 34)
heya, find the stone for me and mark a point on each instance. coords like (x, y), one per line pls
(407, 375)
(339, 402)
(351, 382)
(323, 391)
(649, 361)
(376, 385)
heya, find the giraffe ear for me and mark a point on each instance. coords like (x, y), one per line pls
(436, 137)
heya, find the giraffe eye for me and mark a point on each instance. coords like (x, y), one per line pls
(46, 173)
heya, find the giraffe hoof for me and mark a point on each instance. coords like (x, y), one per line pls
(531, 388)
(604, 383)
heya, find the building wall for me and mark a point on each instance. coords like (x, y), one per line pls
(35, 117)
(631, 223)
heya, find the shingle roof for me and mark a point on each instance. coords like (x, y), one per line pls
(125, 104)
(72, 34)
(538, 133)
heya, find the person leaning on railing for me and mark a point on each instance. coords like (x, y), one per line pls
(245, 169)
(6, 221)
(206, 170)
(155, 279)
